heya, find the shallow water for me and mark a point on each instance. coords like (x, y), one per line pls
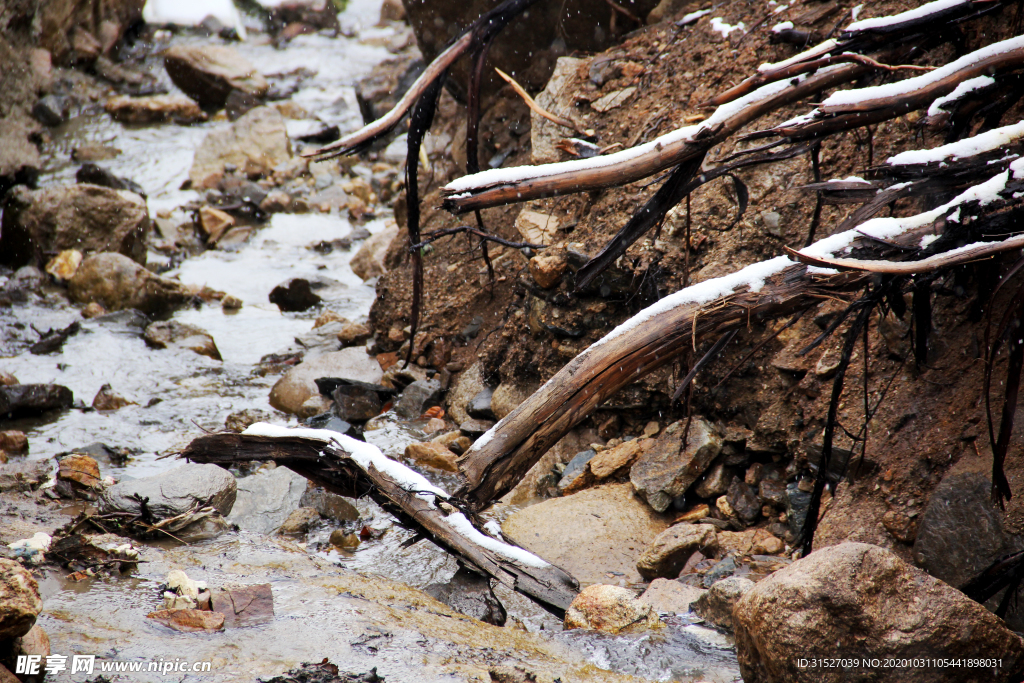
(323, 607)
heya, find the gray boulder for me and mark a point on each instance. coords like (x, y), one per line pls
(417, 397)
(667, 469)
(265, 499)
(174, 492)
(470, 594)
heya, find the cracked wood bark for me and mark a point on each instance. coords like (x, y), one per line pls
(335, 471)
(519, 440)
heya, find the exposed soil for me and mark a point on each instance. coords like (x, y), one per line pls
(933, 413)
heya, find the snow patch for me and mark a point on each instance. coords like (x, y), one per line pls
(782, 26)
(909, 85)
(979, 144)
(725, 29)
(970, 85)
(693, 16)
(922, 11)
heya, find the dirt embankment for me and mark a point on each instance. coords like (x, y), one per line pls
(762, 393)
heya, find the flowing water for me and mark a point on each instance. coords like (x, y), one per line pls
(327, 604)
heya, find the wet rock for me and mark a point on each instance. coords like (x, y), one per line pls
(93, 310)
(715, 482)
(715, 605)
(469, 384)
(961, 531)
(32, 399)
(608, 463)
(610, 609)
(108, 399)
(575, 468)
(298, 384)
(433, 455)
(384, 86)
(667, 469)
(91, 174)
(295, 294)
(480, 407)
(173, 334)
(78, 474)
(454, 441)
(744, 501)
(475, 428)
(329, 505)
(772, 492)
(508, 396)
(299, 522)
(354, 401)
(24, 476)
(667, 596)
(369, 261)
(352, 334)
(392, 10)
(51, 110)
(313, 406)
(13, 441)
(255, 144)
(231, 304)
(174, 492)
(265, 499)
(240, 421)
(20, 603)
(344, 539)
(596, 535)
(116, 282)
(722, 569)
(188, 620)
(858, 600)
(154, 109)
(418, 397)
(245, 606)
(547, 268)
(85, 217)
(214, 223)
(797, 504)
(53, 340)
(669, 552)
(208, 73)
(7, 379)
(470, 593)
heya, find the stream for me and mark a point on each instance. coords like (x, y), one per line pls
(354, 607)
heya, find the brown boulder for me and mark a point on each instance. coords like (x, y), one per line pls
(188, 620)
(672, 548)
(172, 334)
(715, 605)
(116, 282)
(856, 600)
(610, 609)
(88, 218)
(19, 600)
(154, 109)
(432, 454)
(208, 73)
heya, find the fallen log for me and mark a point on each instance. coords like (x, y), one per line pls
(763, 291)
(352, 468)
(505, 186)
